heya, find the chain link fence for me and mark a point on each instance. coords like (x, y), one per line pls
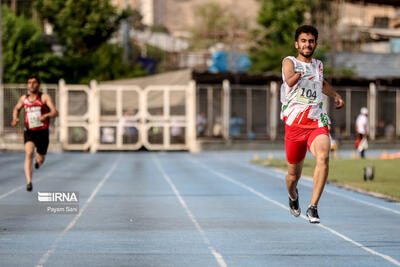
(13, 136)
(251, 110)
(243, 112)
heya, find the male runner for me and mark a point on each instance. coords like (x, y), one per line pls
(38, 108)
(306, 120)
(362, 130)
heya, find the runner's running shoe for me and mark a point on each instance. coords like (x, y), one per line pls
(37, 165)
(312, 214)
(294, 206)
(29, 187)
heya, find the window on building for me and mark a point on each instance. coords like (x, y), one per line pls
(381, 22)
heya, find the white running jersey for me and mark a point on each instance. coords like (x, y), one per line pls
(362, 126)
(302, 104)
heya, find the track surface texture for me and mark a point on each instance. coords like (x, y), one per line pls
(182, 209)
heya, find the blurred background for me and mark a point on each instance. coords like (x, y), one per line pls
(194, 74)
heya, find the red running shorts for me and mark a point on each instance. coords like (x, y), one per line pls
(298, 139)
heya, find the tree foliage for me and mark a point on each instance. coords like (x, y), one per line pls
(106, 64)
(83, 28)
(26, 50)
(209, 26)
(274, 40)
(216, 23)
(136, 20)
(80, 25)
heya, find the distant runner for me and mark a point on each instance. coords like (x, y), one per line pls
(306, 120)
(362, 130)
(38, 108)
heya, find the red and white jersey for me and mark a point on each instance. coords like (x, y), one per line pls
(33, 111)
(302, 104)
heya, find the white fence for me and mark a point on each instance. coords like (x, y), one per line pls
(127, 117)
(110, 117)
(163, 117)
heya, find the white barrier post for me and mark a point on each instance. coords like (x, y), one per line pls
(93, 122)
(226, 108)
(119, 128)
(143, 131)
(348, 111)
(167, 124)
(191, 118)
(273, 110)
(63, 112)
(249, 111)
(372, 110)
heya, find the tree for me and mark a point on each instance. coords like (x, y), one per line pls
(84, 29)
(216, 23)
(210, 25)
(136, 20)
(106, 64)
(80, 25)
(274, 40)
(26, 50)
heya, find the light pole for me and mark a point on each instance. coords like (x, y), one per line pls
(125, 34)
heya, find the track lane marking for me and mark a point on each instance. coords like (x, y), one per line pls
(45, 176)
(213, 251)
(15, 189)
(53, 247)
(252, 190)
(261, 170)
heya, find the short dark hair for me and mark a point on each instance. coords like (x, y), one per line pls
(34, 77)
(306, 29)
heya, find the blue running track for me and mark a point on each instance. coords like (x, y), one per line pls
(181, 209)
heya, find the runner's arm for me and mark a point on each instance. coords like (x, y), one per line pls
(288, 70)
(16, 111)
(329, 91)
(49, 102)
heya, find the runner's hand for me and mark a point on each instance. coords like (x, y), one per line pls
(298, 70)
(43, 118)
(339, 103)
(14, 122)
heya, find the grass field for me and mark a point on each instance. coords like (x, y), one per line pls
(351, 172)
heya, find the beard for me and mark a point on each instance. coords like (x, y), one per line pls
(34, 90)
(307, 55)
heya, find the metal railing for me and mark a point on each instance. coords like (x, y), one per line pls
(12, 137)
(164, 117)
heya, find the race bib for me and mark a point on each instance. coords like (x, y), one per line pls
(307, 93)
(34, 119)
(299, 69)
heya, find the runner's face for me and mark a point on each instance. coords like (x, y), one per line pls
(33, 85)
(306, 44)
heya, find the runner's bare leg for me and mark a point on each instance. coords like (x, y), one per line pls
(292, 178)
(40, 158)
(28, 165)
(320, 149)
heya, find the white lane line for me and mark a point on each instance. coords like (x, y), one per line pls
(227, 178)
(15, 189)
(217, 255)
(262, 170)
(53, 247)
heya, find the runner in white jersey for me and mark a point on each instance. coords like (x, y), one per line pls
(302, 103)
(306, 120)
